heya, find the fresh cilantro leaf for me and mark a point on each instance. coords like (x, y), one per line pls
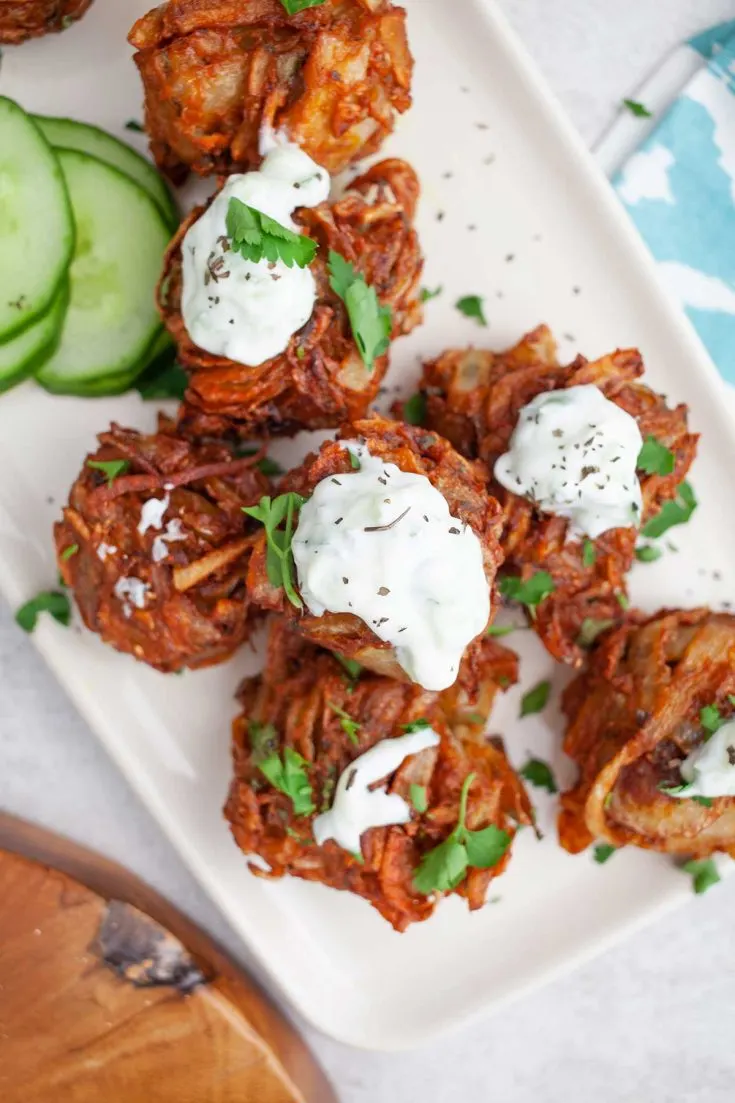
(414, 409)
(279, 557)
(442, 868)
(418, 798)
(165, 378)
(351, 667)
(134, 125)
(703, 873)
(291, 778)
(349, 726)
(637, 109)
(706, 802)
(69, 552)
(472, 307)
(354, 462)
(648, 553)
(416, 725)
(501, 629)
(602, 852)
(539, 774)
(676, 512)
(294, 6)
(530, 592)
(589, 552)
(623, 601)
(655, 458)
(256, 236)
(370, 321)
(426, 295)
(263, 740)
(49, 601)
(111, 468)
(535, 700)
(710, 718)
(591, 628)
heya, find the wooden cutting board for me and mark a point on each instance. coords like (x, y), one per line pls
(109, 995)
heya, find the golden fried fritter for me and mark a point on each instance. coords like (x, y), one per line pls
(463, 485)
(320, 380)
(216, 72)
(163, 582)
(473, 397)
(634, 716)
(294, 703)
(24, 19)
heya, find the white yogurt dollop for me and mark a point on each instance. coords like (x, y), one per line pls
(709, 771)
(234, 307)
(382, 544)
(574, 453)
(356, 807)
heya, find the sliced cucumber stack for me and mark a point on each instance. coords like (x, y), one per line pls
(36, 224)
(68, 134)
(111, 323)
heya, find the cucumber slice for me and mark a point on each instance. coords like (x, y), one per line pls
(112, 321)
(69, 134)
(28, 351)
(36, 225)
(106, 385)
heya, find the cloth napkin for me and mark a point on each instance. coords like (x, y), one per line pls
(675, 174)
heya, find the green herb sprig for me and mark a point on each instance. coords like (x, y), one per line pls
(279, 557)
(529, 593)
(536, 699)
(655, 458)
(349, 726)
(539, 773)
(110, 468)
(472, 307)
(53, 602)
(370, 321)
(675, 512)
(256, 236)
(294, 6)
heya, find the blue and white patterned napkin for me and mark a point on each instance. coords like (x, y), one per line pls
(679, 184)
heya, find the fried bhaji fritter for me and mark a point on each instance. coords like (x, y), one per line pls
(24, 19)
(634, 716)
(298, 695)
(320, 380)
(463, 485)
(155, 548)
(473, 397)
(217, 72)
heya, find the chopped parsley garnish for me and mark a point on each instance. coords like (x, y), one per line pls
(647, 553)
(703, 873)
(623, 601)
(135, 126)
(279, 557)
(290, 777)
(110, 468)
(418, 798)
(49, 601)
(535, 700)
(501, 629)
(349, 726)
(256, 236)
(354, 462)
(602, 852)
(416, 725)
(589, 552)
(426, 295)
(591, 628)
(414, 409)
(637, 109)
(655, 458)
(676, 512)
(472, 307)
(370, 321)
(69, 552)
(164, 379)
(351, 667)
(706, 802)
(710, 718)
(294, 6)
(539, 774)
(530, 592)
(442, 868)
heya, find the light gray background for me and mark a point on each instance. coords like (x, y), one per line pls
(652, 1021)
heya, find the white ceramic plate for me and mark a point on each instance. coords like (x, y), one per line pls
(528, 222)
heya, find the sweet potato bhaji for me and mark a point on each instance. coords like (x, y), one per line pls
(300, 701)
(155, 546)
(473, 397)
(320, 380)
(23, 19)
(653, 692)
(215, 72)
(462, 484)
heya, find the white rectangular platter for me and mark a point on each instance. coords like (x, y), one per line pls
(513, 209)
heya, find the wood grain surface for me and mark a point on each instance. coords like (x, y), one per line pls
(108, 994)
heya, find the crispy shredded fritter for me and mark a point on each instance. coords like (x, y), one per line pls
(24, 19)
